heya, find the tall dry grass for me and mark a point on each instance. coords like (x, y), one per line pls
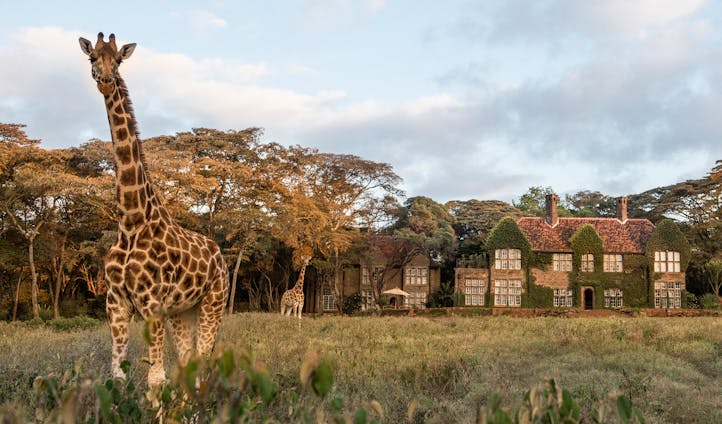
(671, 368)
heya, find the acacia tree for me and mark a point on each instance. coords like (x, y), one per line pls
(30, 207)
(590, 203)
(346, 191)
(27, 188)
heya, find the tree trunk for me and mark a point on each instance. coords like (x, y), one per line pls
(271, 301)
(56, 296)
(17, 297)
(235, 278)
(34, 276)
(59, 279)
(337, 283)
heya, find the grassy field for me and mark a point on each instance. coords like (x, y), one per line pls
(671, 368)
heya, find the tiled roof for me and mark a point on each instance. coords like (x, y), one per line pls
(628, 237)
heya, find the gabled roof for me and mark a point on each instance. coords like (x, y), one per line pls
(628, 237)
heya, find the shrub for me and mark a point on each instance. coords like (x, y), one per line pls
(443, 298)
(79, 322)
(352, 304)
(709, 301)
(692, 300)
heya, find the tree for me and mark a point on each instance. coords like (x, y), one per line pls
(473, 220)
(713, 271)
(533, 202)
(347, 190)
(395, 253)
(27, 177)
(429, 225)
(590, 204)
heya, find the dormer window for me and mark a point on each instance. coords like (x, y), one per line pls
(666, 261)
(507, 259)
(587, 263)
(562, 261)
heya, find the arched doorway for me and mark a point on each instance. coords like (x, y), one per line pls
(588, 297)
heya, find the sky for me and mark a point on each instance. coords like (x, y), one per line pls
(465, 99)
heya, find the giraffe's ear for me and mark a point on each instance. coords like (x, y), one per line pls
(126, 50)
(85, 46)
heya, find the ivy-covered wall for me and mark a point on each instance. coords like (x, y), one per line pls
(507, 235)
(668, 236)
(584, 241)
(636, 281)
(632, 282)
(537, 296)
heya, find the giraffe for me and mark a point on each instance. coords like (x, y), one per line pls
(156, 268)
(292, 299)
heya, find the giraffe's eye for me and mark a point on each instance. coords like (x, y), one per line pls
(93, 59)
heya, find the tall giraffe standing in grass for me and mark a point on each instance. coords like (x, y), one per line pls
(292, 299)
(155, 268)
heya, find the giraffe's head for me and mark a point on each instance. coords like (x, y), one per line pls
(105, 59)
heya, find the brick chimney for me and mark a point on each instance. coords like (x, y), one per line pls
(622, 208)
(552, 217)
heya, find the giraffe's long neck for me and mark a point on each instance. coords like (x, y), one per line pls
(137, 202)
(301, 278)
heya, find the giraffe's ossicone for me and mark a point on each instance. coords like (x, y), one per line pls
(155, 268)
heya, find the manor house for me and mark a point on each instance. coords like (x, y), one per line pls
(579, 262)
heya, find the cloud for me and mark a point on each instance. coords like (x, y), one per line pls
(203, 21)
(628, 104)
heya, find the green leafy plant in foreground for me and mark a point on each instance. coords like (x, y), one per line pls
(230, 388)
(549, 403)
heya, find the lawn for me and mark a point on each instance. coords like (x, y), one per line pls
(671, 368)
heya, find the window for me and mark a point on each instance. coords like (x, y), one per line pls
(507, 292)
(562, 298)
(666, 261)
(668, 295)
(613, 263)
(587, 263)
(328, 299)
(562, 261)
(416, 276)
(474, 291)
(416, 300)
(507, 259)
(613, 298)
(367, 300)
(366, 278)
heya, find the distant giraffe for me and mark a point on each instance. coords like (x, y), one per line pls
(292, 299)
(155, 268)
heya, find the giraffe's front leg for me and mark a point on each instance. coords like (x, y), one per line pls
(119, 317)
(156, 331)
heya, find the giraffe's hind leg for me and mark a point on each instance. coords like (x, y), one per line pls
(182, 326)
(209, 317)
